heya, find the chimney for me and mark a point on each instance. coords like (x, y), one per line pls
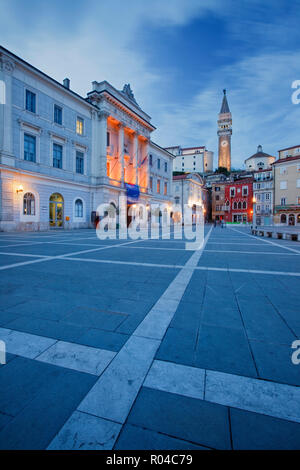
(66, 83)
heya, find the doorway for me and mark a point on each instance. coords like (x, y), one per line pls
(56, 211)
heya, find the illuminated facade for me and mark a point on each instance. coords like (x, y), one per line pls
(224, 133)
(61, 155)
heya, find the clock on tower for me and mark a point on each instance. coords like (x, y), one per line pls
(224, 133)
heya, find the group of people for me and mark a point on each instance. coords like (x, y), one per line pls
(221, 223)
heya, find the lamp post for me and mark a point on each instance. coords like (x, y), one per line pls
(254, 212)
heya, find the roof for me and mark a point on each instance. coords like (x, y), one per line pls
(192, 148)
(163, 149)
(259, 154)
(289, 148)
(287, 159)
(186, 176)
(224, 108)
(180, 177)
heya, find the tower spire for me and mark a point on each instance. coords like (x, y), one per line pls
(224, 108)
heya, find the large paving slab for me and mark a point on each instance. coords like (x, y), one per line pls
(113, 345)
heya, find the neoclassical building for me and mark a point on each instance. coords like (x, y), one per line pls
(61, 154)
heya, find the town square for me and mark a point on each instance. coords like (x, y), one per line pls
(149, 236)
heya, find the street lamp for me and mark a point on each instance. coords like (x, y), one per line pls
(254, 212)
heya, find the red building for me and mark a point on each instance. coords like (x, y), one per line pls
(239, 200)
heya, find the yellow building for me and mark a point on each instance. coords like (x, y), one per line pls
(287, 187)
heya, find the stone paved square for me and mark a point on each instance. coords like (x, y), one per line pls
(82, 369)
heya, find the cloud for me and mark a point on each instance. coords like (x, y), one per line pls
(94, 40)
(259, 97)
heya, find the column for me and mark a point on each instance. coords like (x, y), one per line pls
(6, 147)
(121, 150)
(148, 164)
(103, 115)
(135, 154)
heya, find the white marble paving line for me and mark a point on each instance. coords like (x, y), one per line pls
(253, 271)
(232, 243)
(251, 252)
(124, 247)
(113, 395)
(60, 353)
(62, 256)
(22, 254)
(246, 393)
(261, 239)
(177, 266)
(129, 263)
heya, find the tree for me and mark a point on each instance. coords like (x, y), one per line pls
(223, 170)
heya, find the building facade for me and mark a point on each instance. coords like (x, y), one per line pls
(192, 159)
(224, 134)
(259, 161)
(239, 201)
(263, 189)
(61, 155)
(188, 190)
(218, 207)
(286, 172)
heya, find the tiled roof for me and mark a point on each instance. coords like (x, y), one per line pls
(287, 159)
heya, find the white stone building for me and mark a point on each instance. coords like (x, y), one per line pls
(61, 155)
(263, 196)
(188, 189)
(192, 159)
(259, 161)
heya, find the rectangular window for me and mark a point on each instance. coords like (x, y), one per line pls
(158, 163)
(165, 189)
(282, 201)
(245, 190)
(217, 188)
(29, 148)
(30, 101)
(217, 198)
(57, 114)
(158, 187)
(79, 162)
(282, 170)
(151, 183)
(107, 139)
(57, 155)
(79, 126)
(150, 159)
(232, 192)
(283, 184)
(298, 199)
(166, 166)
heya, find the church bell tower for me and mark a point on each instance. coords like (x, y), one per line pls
(224, 133)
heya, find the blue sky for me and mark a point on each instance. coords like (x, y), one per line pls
(178, 55)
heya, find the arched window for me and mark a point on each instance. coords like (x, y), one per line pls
(78, 208)
(29, 204)
(298, 219)
(239, 205)
(283, 219)
(235, 205)
(244, 205)
(291, 219)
